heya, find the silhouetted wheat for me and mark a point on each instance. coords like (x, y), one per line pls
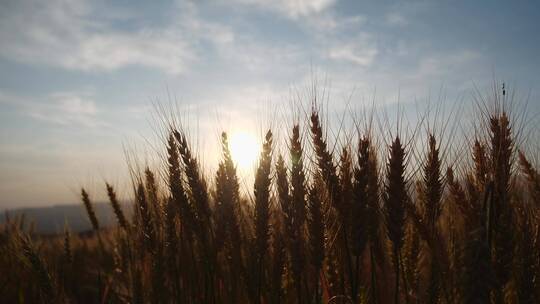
(396, 198)
(328, 227)
(501, 154)
(90, 210)
(533, 178)
(116, 207)
(316, 236)
(37, 265)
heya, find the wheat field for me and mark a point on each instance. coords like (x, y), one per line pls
(370, 220)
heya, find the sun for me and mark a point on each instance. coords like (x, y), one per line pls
(244, 149)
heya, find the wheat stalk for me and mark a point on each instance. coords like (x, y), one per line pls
(533, 178)
(396, 198)
(46, 285)
(90, 210)
(501, 166)
(116, 207)
(316, 234)
(262, 209)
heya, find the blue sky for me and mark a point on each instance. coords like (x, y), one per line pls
(78, 78)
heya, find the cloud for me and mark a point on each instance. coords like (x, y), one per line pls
(361, 52)
(163, 50)
(74, 104)
(67, 109)
(438, 65)
(292, 8)
(396, 19)
(60, 108)
(328, 23)
(75, 35)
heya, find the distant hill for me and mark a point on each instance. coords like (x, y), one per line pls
(51, 220)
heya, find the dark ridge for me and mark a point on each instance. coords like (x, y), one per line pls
(51, 220)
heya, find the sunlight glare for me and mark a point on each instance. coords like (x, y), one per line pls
(244, 149)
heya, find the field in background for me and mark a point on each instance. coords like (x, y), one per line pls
(53, 220)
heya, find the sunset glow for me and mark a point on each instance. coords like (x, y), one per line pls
(244, 149)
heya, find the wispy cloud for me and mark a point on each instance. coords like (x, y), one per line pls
(61, 108)
(438, 65)
(73, 35)
(157, 49)
(67, 109)
(396, 19)
(292, 8)
(361, 51)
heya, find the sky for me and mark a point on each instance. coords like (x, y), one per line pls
(80, 80)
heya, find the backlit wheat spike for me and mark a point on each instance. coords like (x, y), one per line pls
(298, 179)
(432, 184)
(430, 195)
(90, 210)
(148, 232)
(316, 234)
(37, 265)
(294, 236)
(533, 178)
(396, 198)
(152, 193)
(262, 208)
(176, 188)
(481, 165)
(195, 179)
(116, 207)
(501, 153)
